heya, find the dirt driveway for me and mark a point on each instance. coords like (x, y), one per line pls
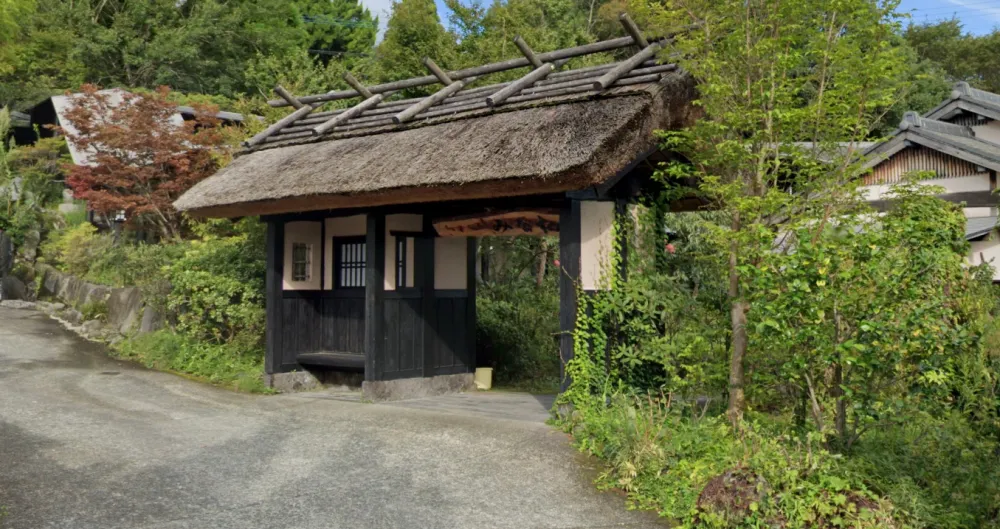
(89, 442)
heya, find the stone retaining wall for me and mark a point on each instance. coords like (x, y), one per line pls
(126, 311)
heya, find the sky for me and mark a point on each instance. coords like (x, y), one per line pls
(977, 16)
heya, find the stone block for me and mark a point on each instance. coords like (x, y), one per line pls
(414, 388)
(292, 382)
(152, 320)
(12, 288)
(17, 304)
(72, 315)
(125, 309)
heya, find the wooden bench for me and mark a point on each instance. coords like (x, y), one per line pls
(339, 360)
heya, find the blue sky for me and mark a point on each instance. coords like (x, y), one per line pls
(977, 16)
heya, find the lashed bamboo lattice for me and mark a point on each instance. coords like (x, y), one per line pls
(544, 81)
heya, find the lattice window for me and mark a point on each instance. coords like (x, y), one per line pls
(349, 265)
(401, 272)
(301, 261)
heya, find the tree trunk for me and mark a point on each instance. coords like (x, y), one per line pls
(840, 420)
(738, 343)
(543, 257)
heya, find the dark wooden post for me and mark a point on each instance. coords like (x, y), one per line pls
(424, 273)
(569, 277)
(471, 251)
(275, 246)
(374, 293)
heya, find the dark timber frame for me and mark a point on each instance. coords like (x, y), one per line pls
(417, 330)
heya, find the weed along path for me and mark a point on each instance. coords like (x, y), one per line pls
(90, 442)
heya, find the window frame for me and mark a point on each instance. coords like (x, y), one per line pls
(338, 244)
(307, 263)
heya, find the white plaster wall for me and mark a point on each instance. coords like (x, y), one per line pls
(399, 222)
(353, 226)
(977, 182)
(307, 233)
(986, 251)
(450, 263)
(596, 232)
(988, 132)
(980, 212)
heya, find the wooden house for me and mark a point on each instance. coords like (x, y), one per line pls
(372, 210)
(958, 143)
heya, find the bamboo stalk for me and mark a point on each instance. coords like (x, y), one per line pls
(280, 124)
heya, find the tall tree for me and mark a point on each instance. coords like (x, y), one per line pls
(414, 32)
(772, 74)
(964, 57)
(342, 29)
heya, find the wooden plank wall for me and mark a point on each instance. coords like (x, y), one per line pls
(312, 322)
(918, 158)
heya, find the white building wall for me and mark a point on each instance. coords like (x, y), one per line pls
(596, 232)
(986, 252)
(305, 233)
(354, 226)
(988, 132)
(450, 263)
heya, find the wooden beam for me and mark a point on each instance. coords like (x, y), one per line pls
(287, 96)
(353, 112)
(423, 261)
(633, 30)
(274, 263)
(527, 52)
(357, 86)
(511, 64)
(569, 277)
(437, 71)
(412, 111)
(471, 251)
(627, 66)
(374, 295)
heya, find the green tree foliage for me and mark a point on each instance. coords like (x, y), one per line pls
(413, 33)
(772, 75)
(962, 56)
(487, 35)
(338, 28)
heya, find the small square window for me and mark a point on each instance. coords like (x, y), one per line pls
(301, 261)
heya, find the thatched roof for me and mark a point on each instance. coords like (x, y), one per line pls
(550, 131)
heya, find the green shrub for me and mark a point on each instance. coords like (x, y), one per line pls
(697, 473)
(230, 365)
(937, 470)
(95, 310)
(217, 287)
(517, 327)
(75, 249)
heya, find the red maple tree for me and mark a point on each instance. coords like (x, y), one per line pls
(140, 156)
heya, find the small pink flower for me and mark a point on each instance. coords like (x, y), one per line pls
(670, 248)
(556, 262)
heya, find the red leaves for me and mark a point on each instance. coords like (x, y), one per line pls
(141, 154)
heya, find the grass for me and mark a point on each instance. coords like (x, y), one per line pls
(230, 366)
